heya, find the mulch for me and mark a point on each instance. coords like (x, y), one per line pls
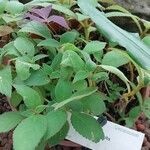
(6, 143)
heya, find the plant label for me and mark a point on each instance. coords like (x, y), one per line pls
(116, 137)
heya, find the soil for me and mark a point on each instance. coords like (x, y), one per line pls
(142, 125)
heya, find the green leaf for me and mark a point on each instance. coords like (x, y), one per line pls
(56, 120)
(29, 133)
(76, 96)
(9, 120)
(63, 90)
(60, 136)
(129, 122)
(15, 99)
(146, 107)
(94, 46)
(31, 97)
(66, 73)
(24, 46)
(38, 57)
(80, 85)
(49, 43)
(118, 14)
(133, 115)
(39, 109)
(37, 78)
(9, 18)
(87, 126)
(94, 104)
(90, 65)
(76, 106)
(118, 73)
(23, 68)
(2, 5)
(63, 9)
(6, 81)
(146, 40)
(70, 46)
(135, 112)
(72, 59)
(14, 7)
(55, 75)
(98, 56)
(56, 61)
(36, 28)
(101, 76)
(69, 37)
(114, 58)
(10, 49)
(80, 75)
(136, 48)
(47, 69)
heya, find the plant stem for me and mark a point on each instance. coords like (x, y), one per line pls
(86, 32)
(61, 1)
(131, 72)
(134, 91)
(110, 117)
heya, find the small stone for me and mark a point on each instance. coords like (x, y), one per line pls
(140, 127)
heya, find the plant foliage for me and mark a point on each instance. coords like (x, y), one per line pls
(62, 64)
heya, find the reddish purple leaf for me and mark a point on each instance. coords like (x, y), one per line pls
(59, 20)
(32, 17)
(42, 15)
(43, 12)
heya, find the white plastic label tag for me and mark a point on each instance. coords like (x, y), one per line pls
(116, 138)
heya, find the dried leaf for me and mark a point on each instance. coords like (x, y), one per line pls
(5, 30)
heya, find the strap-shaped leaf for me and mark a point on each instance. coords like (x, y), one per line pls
(135, 47)
(29, 133)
